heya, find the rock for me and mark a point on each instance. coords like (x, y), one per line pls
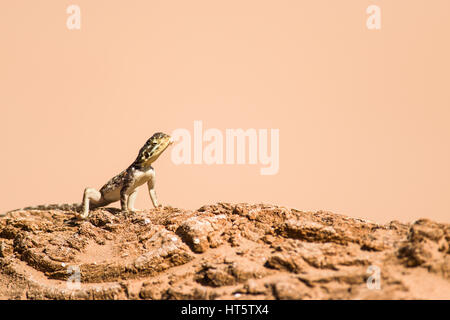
(427, 245)
(6, 248)
(290, 290)
(220, 251)
(202, 232)
(283, 261)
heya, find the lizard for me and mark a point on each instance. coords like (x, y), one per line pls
(122, 187)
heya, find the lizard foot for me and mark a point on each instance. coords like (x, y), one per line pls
(82, 216)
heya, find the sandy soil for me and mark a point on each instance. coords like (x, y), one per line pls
(221, 251)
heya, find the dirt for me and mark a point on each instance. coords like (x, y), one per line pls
(221, 251)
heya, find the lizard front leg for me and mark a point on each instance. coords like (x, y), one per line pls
(131, 200)
(152, 192)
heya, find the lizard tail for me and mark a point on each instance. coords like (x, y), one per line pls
(62, 207)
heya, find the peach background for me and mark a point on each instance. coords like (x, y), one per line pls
(363, 115)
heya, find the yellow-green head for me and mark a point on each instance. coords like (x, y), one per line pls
(153, 148)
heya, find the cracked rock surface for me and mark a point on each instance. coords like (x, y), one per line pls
(221, 251)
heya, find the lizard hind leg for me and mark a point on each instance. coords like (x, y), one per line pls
(91, 197)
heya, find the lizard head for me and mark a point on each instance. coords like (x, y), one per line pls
(153, 148)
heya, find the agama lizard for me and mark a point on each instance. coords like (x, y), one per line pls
(124, 186)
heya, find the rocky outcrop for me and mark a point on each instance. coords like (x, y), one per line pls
(220, 251)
